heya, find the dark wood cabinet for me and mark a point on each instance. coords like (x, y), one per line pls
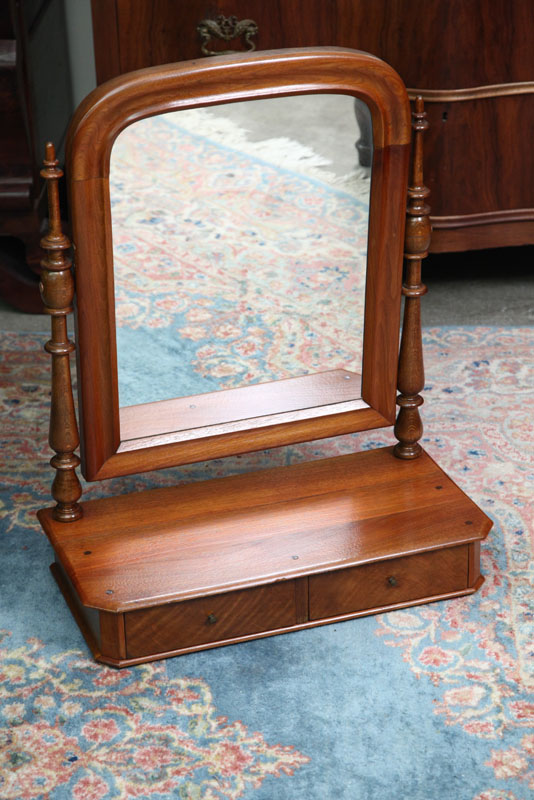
(36, 105)
(472, 60)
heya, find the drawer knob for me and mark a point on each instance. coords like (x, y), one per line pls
(393, 581)
(211, 619)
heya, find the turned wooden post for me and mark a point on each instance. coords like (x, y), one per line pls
(57, 291)
(411, 377)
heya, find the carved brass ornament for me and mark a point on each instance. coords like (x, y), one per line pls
(226, 29)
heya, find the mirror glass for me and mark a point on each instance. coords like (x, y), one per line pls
(240, 242)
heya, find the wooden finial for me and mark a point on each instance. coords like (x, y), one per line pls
(411, 377)
(57, 292)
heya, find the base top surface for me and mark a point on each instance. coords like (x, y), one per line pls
(162, 545)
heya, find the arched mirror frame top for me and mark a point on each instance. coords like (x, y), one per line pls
(135, 96)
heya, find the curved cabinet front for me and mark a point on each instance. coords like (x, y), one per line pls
(478, 163)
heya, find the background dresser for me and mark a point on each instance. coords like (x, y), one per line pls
(472, 60)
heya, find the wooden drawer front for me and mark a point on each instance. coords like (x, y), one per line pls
(388, 582)
(210, 619)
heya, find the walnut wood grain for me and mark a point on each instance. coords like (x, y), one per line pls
(87, 619)
(167, 450)
(188, 414)
(112, 634)
(57, 291)
(152, 32)
(472, 92)
(388, 582)
(210, 619)
(107, 35)
(140, 550)
(448, 57)
(474, 576)
(411, 378)
(114, 661)
(492, 233)
(110, 108)
(98, 121)
(501, 180)
(172, 571)
(171, 416)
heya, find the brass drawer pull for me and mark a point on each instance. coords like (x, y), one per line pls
(393, 581)
(211, 619)
(226, 28)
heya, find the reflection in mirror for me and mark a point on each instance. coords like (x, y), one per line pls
(240, 240)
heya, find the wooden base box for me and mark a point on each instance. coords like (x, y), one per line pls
(253, 555)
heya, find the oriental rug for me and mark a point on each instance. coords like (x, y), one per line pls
(253, 268)
(428, 702)
(434, 701)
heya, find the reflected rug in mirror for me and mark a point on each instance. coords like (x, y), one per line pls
(236, 262)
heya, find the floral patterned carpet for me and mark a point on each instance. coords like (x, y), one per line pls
(254, 271)
(428, 702)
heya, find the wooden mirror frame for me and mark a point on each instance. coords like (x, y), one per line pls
(162, 572)
(124, 100)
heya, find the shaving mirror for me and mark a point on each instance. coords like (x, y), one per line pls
(127, 428)
(166, 571)
(239, 263)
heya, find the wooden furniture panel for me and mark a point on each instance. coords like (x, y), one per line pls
(190, 414)
(33, 58)
(387, 583)
(163, 31)
(210, 619)
(170, 571)
(255, 521)
(409, 34)
(499, 179)
(440, 49)
(161, 561)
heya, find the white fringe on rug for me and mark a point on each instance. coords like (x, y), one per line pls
(281, 151)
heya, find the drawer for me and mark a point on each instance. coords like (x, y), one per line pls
(210, 619)
(386, 583)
